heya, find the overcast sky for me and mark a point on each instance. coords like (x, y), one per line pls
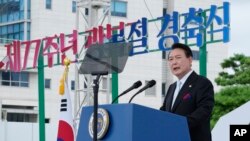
(240, 27)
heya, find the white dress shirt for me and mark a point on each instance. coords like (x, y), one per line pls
(179, 84)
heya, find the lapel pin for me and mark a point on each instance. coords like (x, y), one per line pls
(190, 86)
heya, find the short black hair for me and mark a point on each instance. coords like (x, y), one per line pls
(184, 47)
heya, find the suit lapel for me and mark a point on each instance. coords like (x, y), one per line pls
(170, 97)
(187, 86)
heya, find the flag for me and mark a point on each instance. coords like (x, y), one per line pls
(4, 61)
(65, 127)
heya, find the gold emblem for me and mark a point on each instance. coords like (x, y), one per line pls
(102, 123)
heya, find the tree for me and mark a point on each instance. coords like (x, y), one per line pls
(236, 81)
(239, 68)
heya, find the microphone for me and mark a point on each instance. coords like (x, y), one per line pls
(150, 84)
(134, 86)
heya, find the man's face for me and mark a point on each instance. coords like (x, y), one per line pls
(179, 63)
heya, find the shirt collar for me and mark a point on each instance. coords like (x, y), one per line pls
(184, 78)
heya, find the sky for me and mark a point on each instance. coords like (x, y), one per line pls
(240, 27)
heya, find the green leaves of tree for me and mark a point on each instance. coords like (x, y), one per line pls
(235, 80)
(236, 71)
(229, 99)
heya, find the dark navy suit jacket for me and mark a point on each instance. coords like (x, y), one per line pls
(195, 101)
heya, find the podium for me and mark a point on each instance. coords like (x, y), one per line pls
(132, 122)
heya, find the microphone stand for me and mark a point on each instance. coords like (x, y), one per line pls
(133, 97)
(117, 98)
(95, 90)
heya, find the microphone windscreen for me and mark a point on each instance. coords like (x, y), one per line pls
(137, 84)
(151, 83)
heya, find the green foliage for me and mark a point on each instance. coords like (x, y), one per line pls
(229, 99)
(236, 84)
(239, 65)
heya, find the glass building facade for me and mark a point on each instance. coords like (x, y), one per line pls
(14, 20)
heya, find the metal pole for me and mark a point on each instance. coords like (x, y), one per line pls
(41, 96)
(95, 88)
(114, 81)
(76, 96)
(108, 76)
(114, 86)
(203, 51)
(5, 125)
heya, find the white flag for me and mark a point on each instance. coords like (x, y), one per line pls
(65, 127)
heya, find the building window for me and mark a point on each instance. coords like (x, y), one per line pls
(104, 83)
(47, 120)
(164, 54)
(48, 4)
(72, 85)
(196, 55)
(150, 91)
(13, 113)
(14, 31)
(119, 8)
(13, 10)
(163, 89)
(17, 79)
(74, 6)
(10, 12)
(21, 117)
(47, 83)
(86, 11)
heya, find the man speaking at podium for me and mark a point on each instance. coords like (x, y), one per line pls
(191, 95)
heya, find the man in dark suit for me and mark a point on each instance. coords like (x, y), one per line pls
(191, 95)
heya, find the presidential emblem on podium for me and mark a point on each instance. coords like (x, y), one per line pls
(102, 123)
